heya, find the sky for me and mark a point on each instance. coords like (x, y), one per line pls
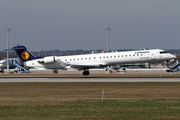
(81, 24)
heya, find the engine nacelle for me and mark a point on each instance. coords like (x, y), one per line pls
(50, 59)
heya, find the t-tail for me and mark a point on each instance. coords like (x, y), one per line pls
(23, 53)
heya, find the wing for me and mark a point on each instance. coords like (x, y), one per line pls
(81, 66)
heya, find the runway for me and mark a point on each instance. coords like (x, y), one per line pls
(89, 80)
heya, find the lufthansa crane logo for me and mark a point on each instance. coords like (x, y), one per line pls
(25, 55)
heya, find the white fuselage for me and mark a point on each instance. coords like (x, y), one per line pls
(102, 59)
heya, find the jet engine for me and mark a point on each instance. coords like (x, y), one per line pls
(50, 59)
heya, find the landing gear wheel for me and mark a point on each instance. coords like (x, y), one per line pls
(86, 73)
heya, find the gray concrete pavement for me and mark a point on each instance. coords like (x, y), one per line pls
(89, 80)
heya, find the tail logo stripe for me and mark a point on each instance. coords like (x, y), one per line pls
(25, 55)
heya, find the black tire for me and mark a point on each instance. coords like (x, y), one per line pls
(86, 73)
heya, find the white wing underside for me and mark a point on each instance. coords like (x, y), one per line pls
(83, 67)
(80, 66)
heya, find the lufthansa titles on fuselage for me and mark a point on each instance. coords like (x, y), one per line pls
(139, 52)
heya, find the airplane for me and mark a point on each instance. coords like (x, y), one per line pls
(3, 64)
(88, 61)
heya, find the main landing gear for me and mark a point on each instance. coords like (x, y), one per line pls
(86, 72)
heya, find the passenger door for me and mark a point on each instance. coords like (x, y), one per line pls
(153, 56)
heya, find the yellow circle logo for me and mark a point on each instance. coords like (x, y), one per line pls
(24, 55)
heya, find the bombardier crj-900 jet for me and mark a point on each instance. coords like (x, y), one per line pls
(88, 61)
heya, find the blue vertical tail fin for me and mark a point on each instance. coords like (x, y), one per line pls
(23, 53)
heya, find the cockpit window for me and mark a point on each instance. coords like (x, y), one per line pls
(163, 52)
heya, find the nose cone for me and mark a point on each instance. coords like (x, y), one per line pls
(173, 56)
(2, 62)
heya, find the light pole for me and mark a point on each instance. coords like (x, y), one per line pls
(8, 30)
(108, 29)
